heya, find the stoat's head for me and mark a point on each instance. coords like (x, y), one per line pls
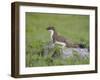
(50, 28)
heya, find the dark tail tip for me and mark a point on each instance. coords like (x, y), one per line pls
(84, 46)
(81, 45)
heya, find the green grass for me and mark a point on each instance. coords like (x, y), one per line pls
(73, 27)
(53, 58)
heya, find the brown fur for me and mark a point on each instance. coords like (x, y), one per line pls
(59, 38)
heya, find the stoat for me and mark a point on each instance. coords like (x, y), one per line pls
(57, 39)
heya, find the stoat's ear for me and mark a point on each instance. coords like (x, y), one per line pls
(53, 28)
(50, 27)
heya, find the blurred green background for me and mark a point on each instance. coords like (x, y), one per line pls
(73, 27)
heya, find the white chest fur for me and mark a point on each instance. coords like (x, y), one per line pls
(51, 33)
(57, 42)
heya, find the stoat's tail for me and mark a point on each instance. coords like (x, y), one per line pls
(81, 45)
(76, 45)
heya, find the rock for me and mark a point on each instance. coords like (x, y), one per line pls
(83, 52)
